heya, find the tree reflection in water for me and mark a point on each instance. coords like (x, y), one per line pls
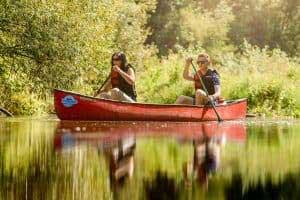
(288, 188)
(161, 187)
(148, 160)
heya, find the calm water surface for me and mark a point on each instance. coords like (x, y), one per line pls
(49, 159)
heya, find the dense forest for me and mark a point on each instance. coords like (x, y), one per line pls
(254, 44)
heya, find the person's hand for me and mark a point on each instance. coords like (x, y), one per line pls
(116, 68)
(188, 61)
(210, 98)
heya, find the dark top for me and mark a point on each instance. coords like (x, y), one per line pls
(117, 81)
(210, 80)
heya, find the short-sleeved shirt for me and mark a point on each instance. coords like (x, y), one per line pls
(210, 80)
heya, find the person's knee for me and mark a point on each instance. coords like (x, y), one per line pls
(184, 100)
(105, 95)
(180, 99)
(200, 93)
(115, 92)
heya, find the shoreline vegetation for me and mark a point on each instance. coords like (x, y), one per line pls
(254, 45)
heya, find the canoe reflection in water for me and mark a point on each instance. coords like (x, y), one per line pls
(117, 142)
(120, 156)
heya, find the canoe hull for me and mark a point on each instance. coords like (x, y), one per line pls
(72, 106)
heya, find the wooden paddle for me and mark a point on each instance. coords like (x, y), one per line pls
(98, 91)
(6, 112)
(203, 86)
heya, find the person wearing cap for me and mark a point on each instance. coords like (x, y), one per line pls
(121, 85)
(209, 77)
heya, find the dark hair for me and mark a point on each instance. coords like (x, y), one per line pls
(123, 59)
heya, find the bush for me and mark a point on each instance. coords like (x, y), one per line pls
(65, 44)
(269, 98)
(268, 78)
(162, 81)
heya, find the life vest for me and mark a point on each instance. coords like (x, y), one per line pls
(117, 81)
(208, 80)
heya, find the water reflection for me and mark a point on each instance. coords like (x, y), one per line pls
(206, 160)
(287, 188)
(91, 132)
(117, 142)
(120, 156)
(120, 160)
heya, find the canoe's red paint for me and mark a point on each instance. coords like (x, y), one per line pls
(95, 109)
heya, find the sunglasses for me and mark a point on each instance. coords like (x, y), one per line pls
(116, 59)
(202, 62)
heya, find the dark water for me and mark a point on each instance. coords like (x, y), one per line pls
(48, 159)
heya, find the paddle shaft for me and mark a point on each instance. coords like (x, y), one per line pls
(103, 84)
(206, 92)
(6, 112)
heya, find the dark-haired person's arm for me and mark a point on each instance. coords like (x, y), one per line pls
(129, 76)
(106, 87)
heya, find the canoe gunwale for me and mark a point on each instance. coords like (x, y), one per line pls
(231, 102)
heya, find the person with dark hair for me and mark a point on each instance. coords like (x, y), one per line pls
(210, 79)
(121, 85)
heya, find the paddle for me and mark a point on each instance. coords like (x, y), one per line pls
(98, 91)
(203, 86)
(6, 112)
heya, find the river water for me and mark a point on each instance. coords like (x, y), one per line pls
(45, 158)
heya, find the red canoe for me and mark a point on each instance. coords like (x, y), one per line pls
(73, 106)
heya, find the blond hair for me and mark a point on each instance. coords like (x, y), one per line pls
(206, 56)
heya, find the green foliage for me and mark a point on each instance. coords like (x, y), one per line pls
(68, 45)
(207, 29)
(269, 79)
(64, 44)
(162, 81)
(270, 98)
(267, 23)
(187, 24)
(262, 23)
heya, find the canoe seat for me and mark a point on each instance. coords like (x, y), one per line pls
(221, 100)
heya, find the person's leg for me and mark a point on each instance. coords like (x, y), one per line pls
(185, 100)
(117, 94)
(200, 97)
(105, 95)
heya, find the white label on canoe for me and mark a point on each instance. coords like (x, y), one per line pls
(69, 101)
